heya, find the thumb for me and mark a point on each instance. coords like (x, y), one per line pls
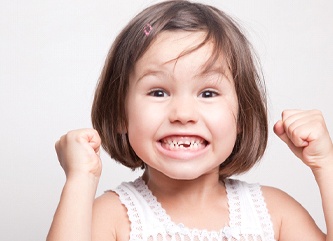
(280, 132)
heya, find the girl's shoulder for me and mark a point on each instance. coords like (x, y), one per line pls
(109, 221)
(291, 221)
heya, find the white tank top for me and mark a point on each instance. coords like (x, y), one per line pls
(249, 219)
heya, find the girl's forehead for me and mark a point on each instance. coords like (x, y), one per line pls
(180, 37)
(175, 52)
(171, 46)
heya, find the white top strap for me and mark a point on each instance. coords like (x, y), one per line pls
(248, 208)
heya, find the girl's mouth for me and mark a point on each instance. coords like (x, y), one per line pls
(181, 143)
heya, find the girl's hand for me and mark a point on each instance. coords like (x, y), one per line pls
(306, 134)
(78, 153)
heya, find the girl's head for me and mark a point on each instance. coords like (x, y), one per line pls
(109, 115)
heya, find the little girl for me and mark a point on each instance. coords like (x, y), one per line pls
(180, 96)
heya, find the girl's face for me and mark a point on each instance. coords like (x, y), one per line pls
(181, 116)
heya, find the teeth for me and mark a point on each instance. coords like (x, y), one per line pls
(185, 144)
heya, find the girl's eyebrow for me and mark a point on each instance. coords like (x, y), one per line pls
(213, 71)
(148, 72)
(154, 69)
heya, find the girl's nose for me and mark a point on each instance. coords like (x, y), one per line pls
(183, 110)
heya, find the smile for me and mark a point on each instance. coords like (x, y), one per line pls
(175, 143)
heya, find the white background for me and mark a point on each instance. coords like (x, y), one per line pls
(51, 54)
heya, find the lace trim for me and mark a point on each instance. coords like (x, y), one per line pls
(233, 202)
(177, 231)
(262, 211)
(132, 213)
(232, 187)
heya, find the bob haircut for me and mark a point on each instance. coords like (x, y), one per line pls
(109, 111)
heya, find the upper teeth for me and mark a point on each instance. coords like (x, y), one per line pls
(183, 144)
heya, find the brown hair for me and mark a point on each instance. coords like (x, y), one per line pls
(109, 112)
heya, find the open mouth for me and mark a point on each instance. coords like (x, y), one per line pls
(175, 143)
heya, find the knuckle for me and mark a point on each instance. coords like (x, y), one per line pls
(295, 134)
(70, 135)
(317, 112)
(286, 113)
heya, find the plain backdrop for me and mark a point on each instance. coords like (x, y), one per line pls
(51, 55)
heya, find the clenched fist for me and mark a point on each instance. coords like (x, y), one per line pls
(306, 134)
(78, 152)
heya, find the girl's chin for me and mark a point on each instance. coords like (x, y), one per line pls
(183, 173)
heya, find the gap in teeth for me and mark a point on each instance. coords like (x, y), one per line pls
(183, 144)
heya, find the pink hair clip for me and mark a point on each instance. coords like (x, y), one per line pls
(147, 29)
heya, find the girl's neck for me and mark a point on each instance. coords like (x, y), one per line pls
(187, 200)
(203, 187)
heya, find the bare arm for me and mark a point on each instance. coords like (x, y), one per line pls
(110, 220)
(78, 154)
(306, 134)
(324, 178)
(290, 220)
(72, 220)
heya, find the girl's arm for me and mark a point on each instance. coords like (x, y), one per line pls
(78, 154)
(307, 136)
(324, 179)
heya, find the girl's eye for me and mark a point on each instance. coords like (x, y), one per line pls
(208, 94)
(157, 93)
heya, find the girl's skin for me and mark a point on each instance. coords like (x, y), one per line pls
(172, 98)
